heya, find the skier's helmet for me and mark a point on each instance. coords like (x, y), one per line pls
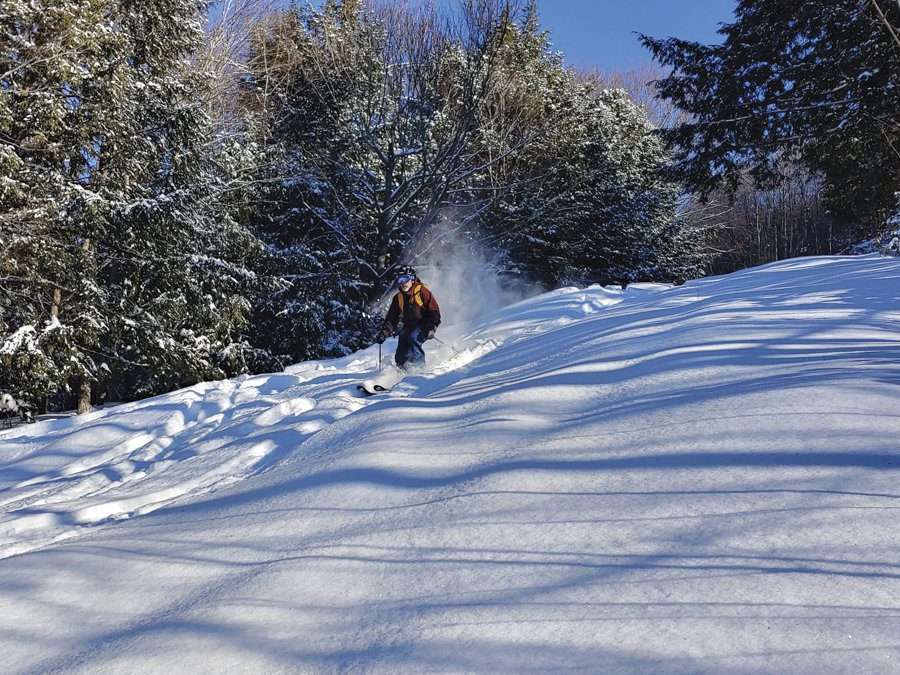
(404, 274)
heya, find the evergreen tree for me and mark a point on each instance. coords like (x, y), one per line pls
(120, 265)
(309, 72)
(809, 80)
(890, 240)
(625, 226)
(590, 202)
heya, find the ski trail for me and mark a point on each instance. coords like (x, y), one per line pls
(203, 444)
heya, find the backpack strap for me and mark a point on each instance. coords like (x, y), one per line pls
(417, 297)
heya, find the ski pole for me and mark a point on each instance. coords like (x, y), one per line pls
(379, 357)
(452, 348)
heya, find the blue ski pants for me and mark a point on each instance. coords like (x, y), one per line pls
(409, 348)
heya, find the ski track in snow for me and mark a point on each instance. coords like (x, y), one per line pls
(700, 479)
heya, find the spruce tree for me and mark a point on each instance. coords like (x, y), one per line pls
(807, 80)
(589, 201)
(121, 267)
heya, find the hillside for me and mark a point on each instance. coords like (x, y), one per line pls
(691, 479)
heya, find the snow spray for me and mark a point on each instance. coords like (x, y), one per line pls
(465, 277)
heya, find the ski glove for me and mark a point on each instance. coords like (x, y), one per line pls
(426, 334)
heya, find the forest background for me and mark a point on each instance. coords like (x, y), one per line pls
(191, 191)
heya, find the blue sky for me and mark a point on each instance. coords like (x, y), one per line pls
(600, 33)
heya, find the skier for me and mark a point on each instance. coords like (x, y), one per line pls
(414, 306)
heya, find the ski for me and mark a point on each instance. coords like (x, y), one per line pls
(370, 389)
(383, 383)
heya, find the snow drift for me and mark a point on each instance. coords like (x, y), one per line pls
(694, 479)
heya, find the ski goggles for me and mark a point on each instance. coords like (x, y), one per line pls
(404, 278)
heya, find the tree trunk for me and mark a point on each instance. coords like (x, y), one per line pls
(57, 301)
(84, 385)
(84, 397)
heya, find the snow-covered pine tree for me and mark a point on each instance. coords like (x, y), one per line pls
(623, 225)
(119, 265)
(589, 201)
(890, 239)
(307, 69)
(526, 141)
(50, 217)
(804, 80)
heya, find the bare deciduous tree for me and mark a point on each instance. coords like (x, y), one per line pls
(638, 82)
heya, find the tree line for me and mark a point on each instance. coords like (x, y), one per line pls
(797, 112)
(191, 193)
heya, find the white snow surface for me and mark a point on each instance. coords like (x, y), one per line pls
(700, 479)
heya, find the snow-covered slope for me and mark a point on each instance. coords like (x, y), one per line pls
(58, 477)
(696, 479)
